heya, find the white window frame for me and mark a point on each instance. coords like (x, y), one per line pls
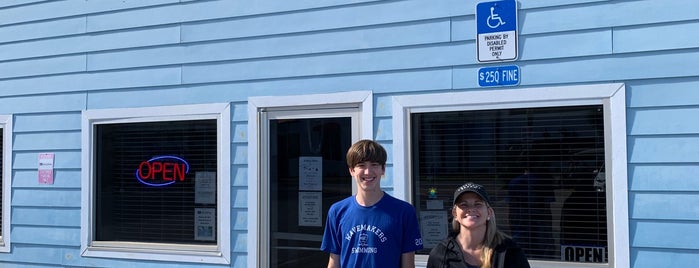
(214, 254)
(6, 124)
(257, 242)
(611, 96)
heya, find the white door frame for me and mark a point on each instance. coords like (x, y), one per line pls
(257, 175)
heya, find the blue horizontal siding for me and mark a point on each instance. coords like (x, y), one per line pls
(239, 133)
(43, 66)
(201, 10)
(371, 61)
(46, 235)
(43, 104)
(383, 105)
(40, 216)
(605, 14)
(47, 122)
(310, 43)
(239, 198)
(47, 141)
(682, 149)
(239, 220)
(27, 265)
(239, 241)
(406, 81)
(9, 3)
(239, 154)
(656, 37)
(667, 235)
(240, 112)
(664, 178)
(45, 196)
(664, 206)
(653, 258)
(42, 11)
(246, 24)
(239, 176)
(93, 81)
(663, 92)
(88, 43)
(383, 128)
(679, 120)
(554, 3)
(565, 45)
(42, 29)
(58, 9)
(25, 255)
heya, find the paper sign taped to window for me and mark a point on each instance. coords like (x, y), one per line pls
(205, 187)
(204, 224)
(583, 253)
(310, 208)
(433, 226)
(310, 173)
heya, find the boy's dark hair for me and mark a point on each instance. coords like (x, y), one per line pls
(366, 150)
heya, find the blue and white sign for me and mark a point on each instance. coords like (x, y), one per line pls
(496, 25)
(499, 76)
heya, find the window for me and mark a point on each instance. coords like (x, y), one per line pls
(5, 180)
(157, 183)
(547, 164)
(543, 167)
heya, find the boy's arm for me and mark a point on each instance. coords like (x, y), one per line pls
(407, 260)
(334, 261)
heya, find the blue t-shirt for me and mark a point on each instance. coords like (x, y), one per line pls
(374, 236)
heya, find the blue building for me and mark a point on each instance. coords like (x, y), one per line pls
(212, 133)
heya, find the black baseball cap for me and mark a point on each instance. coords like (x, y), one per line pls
(473, 188)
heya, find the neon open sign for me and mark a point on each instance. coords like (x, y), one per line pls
(162, 171)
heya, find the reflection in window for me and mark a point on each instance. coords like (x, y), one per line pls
(543, 167)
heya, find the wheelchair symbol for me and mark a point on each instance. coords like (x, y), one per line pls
(494, 19)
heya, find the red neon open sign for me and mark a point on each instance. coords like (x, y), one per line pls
(162, 171)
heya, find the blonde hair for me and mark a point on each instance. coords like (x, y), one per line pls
(493, 237)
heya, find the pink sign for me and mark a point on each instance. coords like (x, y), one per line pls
(46, 168)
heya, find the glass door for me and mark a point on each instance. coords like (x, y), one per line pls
(307, 173)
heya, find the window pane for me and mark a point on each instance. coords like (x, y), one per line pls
(299, 197)
(543, 168)
(156, 182)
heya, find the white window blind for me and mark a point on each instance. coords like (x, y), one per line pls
(543, 168)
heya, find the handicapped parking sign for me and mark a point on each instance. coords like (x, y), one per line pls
(496, 27)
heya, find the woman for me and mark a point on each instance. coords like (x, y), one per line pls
(476, 242)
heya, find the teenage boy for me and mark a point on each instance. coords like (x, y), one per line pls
(372, 228)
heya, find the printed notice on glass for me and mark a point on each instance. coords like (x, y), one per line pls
(205, 187)
(435, 204)
(46, 168)
(310, 173)
(310, 205)
(204, 224)
(433, 225)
